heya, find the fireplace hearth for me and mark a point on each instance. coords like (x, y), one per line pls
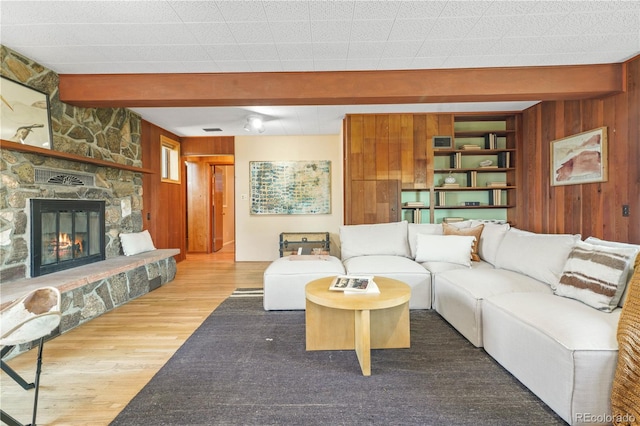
(66, 234)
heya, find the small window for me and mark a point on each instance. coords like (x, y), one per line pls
(170, 160)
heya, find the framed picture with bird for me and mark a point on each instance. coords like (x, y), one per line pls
(25, 115)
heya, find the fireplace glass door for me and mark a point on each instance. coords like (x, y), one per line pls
(66, 233)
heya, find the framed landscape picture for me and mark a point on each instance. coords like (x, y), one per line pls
(581, 158)
(24, 115)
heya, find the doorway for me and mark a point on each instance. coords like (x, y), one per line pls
(210, 203)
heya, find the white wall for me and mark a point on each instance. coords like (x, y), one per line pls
(257, 236)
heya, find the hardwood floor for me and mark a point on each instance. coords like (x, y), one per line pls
(90, 373)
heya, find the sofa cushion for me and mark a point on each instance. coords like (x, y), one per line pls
(445, 248)
(490, 240)
(540, 256)
(421, 228)
(475, 232)
(597, 241)
(596, 275)
(377, 239)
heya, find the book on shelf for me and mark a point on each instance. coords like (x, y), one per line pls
(442, 198)
(450, 185)
(497, 184)
(451, 219)
(491, 166)
(471, 203)
(490, 141)
(472, 178)
(414, 204)
(495, 197)
(353, 284)
(470, 146)
(417, 216)
(455, 161)
(504, 159)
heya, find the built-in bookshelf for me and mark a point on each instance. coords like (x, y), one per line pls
(475, 178)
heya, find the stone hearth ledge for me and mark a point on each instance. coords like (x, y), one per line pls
(80, 276)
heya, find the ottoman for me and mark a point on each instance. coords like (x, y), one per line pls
(285, 278)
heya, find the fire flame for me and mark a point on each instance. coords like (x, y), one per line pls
(64, 242)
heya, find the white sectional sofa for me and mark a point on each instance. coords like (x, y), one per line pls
(529, 300)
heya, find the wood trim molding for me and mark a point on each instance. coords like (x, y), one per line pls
(342, 87)
(13, 146)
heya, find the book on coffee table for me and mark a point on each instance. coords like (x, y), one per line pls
(352, 283)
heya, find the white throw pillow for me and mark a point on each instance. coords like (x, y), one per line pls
(490, 240)
(596, 275)
(136, 242)
(372, 240)
(444, 248)
(421, 228)
(539, 256)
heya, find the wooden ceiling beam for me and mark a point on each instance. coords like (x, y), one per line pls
(342, 87)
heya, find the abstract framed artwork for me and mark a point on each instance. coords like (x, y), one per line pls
(25, 116)
(580, 158)
(290, 187)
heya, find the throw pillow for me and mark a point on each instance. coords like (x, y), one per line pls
(444, 248)
(475, 232)
(596, 275)
(136, 242)
(374, 240)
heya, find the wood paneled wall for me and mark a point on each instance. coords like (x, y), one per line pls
(385, 153)
(163, 210)
(207, 145)
(593, 209)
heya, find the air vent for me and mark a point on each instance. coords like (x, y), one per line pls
(63, 177)
(212, 129)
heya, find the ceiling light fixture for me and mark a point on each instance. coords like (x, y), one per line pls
(254, 124)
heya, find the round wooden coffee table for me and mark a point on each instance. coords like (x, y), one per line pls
(338, 321)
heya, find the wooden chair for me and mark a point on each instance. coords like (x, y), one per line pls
(33, 317)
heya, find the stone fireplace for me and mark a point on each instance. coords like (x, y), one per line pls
(65, 234)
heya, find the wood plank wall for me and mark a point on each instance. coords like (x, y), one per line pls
(589, 209)
(385, 153)
(167, 226)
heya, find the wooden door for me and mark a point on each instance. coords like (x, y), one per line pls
(218, 207)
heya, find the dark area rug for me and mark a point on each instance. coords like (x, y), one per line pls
(245, 366)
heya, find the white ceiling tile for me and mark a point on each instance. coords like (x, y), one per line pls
(233, 66)
(259, 52)
(331, 10)
(329, 64)
(597, 23)
(330, 31)
(150, 34)
(438, 47)
(265, 66)
(371, 30)
(291, 31)
(251, 32)
(297, 65)
(362, 64)
(506, 8)
(509, 46)
(476, 46)
(214, 33)
(199, 67)
(464, 8)
(330, 51)
(428, 62)
(242, 11)
(399, 49)
(155, 53)
(420, 9)
(491, 26)
(286, 10)
(375, 10)
(476, 61)
(411, 29)
(39, 35)
(451, 27)
(533, 25)
(295, 51)
(396, 63)
(224, 52)
(362, 50)
(197, 11)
